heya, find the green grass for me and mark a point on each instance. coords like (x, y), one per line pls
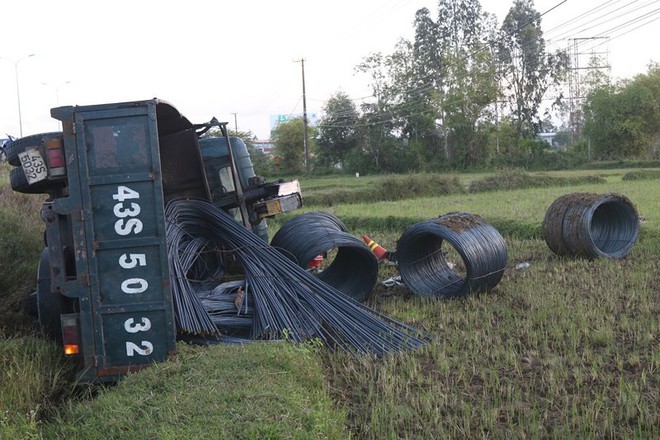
(33, 377)
(21, 238)
(568, 348)
(565, 349)
(256, 391)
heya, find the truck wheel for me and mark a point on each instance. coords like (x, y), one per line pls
(49, 304)
(30, 305)
(19, 183)
(14, 148)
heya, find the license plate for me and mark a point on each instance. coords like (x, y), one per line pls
(33, 165)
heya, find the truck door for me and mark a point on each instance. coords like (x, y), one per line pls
(116, 210)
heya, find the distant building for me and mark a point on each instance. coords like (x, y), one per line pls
(549, 138)
(265, 146)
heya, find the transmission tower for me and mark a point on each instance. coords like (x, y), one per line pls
(588, 55)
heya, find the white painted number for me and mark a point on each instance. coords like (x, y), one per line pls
(131, 327)
(124, 192)
(121, 211)
(130, 261)
(146, 349)
(125, 227)
(125, 213)
(134, 285)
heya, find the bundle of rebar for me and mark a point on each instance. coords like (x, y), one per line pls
(230, 307)
(184, 248)
(288, 302)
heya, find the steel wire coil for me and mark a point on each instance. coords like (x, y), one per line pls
(288, 302)
(591, 225)
(422, 260)
(354, 269)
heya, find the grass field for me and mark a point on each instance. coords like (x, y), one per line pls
(568, 348)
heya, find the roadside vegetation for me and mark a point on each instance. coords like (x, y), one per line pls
(567, 348)
(642, 175)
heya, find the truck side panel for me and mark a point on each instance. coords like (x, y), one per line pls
(126, 315)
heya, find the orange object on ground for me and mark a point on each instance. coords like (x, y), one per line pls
(380, 252)
(316, 263)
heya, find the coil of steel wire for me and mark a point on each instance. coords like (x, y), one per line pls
(287, 301)
(422, 255)
(354, 269)
(591, 225)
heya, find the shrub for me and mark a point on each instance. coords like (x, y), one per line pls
(391, 188)
(642, 175)
(506, 179)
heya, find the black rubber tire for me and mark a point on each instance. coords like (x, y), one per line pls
(49, 304)
(13, 149)
(30, 305)
(19, 183)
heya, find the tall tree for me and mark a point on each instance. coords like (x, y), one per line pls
(470, 85)
(338, 130)
(378, 120)
(528, 70)
(376, 125)
(288, 139)
(622, 121)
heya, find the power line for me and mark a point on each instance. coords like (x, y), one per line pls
(642, 19)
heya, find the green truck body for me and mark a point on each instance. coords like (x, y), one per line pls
(104, 281)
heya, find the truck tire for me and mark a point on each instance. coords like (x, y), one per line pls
(49, 304)
(14, 148)
(19, 183)
(30, 305)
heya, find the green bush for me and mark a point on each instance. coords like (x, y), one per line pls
(616, 164)
(392, 188)
(642, 175)
(507, 179)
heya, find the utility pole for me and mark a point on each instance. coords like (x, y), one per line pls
(306, 137)
(18, 90)
(235, 122)
(57, 97)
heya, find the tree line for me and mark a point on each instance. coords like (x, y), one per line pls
(466, 92)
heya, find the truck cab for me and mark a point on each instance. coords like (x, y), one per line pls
(103, 284)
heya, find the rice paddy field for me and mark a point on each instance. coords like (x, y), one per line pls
(567, 347)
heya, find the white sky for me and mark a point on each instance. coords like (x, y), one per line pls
(217, 58)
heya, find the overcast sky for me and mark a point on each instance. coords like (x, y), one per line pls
(220, 58)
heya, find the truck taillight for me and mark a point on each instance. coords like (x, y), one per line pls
(55, 157)
(70, 333)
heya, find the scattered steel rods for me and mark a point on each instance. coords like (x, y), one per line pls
(287, 301)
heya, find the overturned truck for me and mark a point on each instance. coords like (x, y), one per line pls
(103, 279)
